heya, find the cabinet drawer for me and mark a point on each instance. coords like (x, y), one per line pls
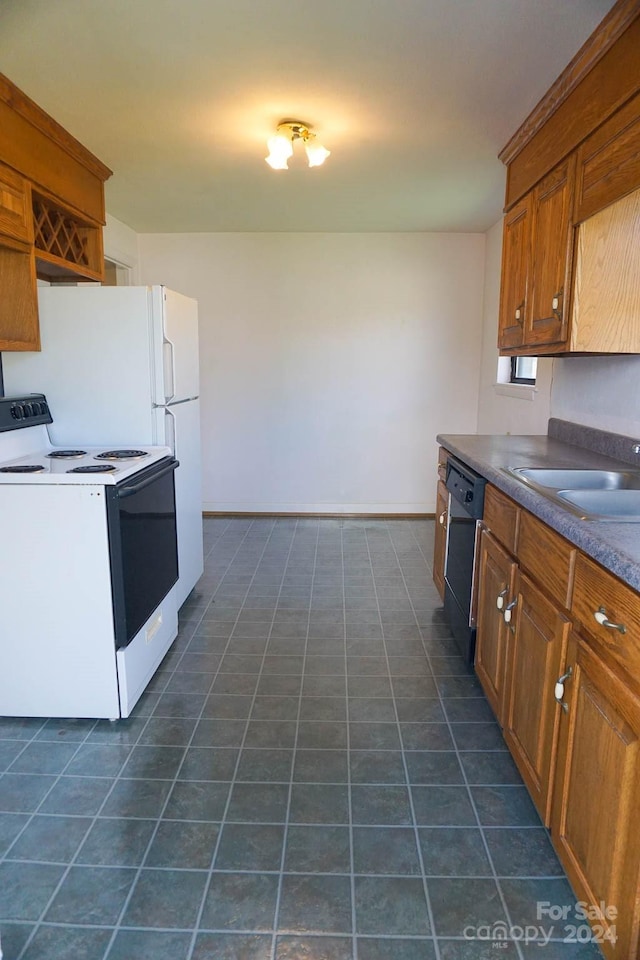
(15, 205)
(501, 517)
(596, 591)
(609, 162)
(546, 556)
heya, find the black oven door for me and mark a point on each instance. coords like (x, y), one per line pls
(143, 547)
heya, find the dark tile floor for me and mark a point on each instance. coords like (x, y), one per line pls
(311, 774)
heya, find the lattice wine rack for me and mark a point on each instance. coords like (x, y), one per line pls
(56, 232)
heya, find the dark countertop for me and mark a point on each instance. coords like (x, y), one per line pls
(616, 546)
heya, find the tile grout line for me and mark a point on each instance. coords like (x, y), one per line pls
(174, 780)
(416, 834)
(276, 916)
(223, 819)
(354, 918)
(38, 922)
(476, 815)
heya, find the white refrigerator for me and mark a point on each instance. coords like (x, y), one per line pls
(119, 366)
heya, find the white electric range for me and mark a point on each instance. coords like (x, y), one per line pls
(87, 600)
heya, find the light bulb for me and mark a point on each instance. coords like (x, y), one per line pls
(316, 153)
(280, 149)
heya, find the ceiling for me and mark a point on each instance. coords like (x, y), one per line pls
(413, 97)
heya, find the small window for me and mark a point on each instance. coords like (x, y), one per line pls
(523, 369)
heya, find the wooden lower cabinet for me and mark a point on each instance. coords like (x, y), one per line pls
(440, 537)
(565, 688)
(496, 572)
(531, 713)
(595, 805)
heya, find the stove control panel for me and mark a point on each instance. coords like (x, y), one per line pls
(30, 410)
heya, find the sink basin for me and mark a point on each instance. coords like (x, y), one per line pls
(613, 505)
(612, 495)
(578, 479)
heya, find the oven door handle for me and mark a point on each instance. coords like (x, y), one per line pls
(129, 490)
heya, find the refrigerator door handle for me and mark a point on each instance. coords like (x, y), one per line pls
(170, 435)
(169, 362)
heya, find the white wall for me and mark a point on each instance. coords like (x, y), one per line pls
(601, 392)
(329, 362)
(512, 409)
(121, 245)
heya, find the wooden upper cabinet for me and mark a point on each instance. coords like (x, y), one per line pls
(51, 212)
(19, 328)
(605, 311)
(575, 156)
(515, 259)
(41, 150)
(15, 206)
(608, 162)
(536, 266)
(550, 264)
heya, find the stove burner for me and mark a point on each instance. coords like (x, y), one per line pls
(67, 454)
(94, 468)
(122, 455)
(23, 468)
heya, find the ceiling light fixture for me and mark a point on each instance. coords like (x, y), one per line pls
(281, 145)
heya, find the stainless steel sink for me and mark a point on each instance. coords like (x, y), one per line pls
(605, 495)
(612, 505)
(578, 479)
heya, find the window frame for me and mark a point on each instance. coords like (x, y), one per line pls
(515, 376)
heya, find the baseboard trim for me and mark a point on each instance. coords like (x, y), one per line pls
(295, 515)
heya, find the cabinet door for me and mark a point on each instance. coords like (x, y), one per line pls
(608, 165)
(595, 809)
(496, 571)
(19, 327)
(531, 715)
(440, 539)
(515, 258)
(552, 231)
(15, 205)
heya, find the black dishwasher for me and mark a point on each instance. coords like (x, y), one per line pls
(466, 503)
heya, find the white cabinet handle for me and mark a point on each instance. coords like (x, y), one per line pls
(442, 518)
(559, 689)
(601, 616)
(508, 609)
(500, 598)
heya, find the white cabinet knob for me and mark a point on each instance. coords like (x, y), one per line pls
(508, 611)
(558, 690)
(500, 598)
